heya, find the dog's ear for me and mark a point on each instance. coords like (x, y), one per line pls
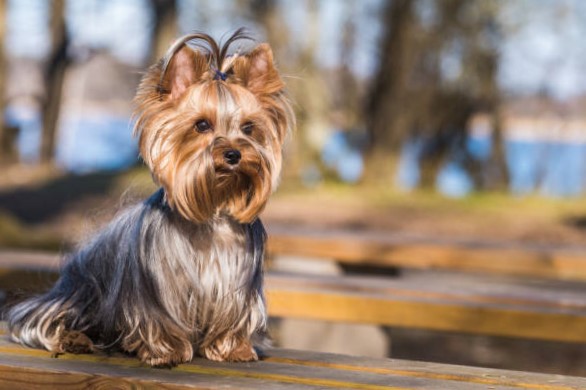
(257, 71)
(185, 69)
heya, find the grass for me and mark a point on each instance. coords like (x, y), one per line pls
(483, 203)
(487, 215)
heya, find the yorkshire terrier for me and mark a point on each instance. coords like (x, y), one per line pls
(181, 273)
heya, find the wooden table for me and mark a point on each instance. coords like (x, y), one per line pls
(24, 368)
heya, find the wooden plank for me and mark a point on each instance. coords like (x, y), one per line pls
(533, 313)
(280, 369)
(11, 260)
(478, 305)
(394, 251)
(430, 371)
(27, 270)
(15, 376)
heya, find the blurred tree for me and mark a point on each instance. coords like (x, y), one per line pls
(268, 15)
(165, 27)
(386, 116)
(485, 58)
(467, 33)
(54, 79)
(435, 72)
(346, 96)
(7, 153)
(314, 108)
(312, 114)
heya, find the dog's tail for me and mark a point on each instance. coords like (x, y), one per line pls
(38, 322)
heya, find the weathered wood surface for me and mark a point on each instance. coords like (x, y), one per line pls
(473, 305)
(382, 249)
(24, 368)
(546, 310)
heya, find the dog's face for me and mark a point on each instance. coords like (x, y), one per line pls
(213, 138)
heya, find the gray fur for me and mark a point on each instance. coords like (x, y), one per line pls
(154, 280)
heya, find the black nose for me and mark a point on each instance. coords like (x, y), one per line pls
(232, 156)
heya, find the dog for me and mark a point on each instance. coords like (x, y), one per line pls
(181, 273)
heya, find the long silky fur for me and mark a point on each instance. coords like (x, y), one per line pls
(181, 273)
(118, 291)
(160, 142)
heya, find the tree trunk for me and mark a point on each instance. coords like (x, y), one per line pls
(498, 159)
(165, 27)
(387, 118)
(267, 14)
(54, 79)
(346, 97)
(5, 144)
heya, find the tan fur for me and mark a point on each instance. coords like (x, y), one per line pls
(189, 165)
(173, 96)
(181, 272)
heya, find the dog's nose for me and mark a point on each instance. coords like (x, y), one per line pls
(232, 156)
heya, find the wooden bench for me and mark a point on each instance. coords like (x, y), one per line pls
(393, 250)
(24, 368)
(437, 302)
(543, 310)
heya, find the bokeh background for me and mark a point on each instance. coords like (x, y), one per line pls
(452, 95)
(438, 119)
(472, 108)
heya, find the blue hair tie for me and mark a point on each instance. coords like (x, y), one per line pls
(220, 75)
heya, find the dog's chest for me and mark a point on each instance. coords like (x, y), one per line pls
(224, 259)
(210, 274)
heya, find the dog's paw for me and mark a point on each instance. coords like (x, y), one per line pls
(165, 360)
(241, 352)
(73, 341)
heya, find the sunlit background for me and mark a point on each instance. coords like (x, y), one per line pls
(489, 94)
(434, 119)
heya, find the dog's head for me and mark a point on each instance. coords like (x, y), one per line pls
(211, 127)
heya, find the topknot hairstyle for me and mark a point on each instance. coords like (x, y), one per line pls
(217, 54)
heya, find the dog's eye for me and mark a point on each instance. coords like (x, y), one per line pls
(247, 128)
(203, 126)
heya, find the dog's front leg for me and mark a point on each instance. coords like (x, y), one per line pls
(230, 348)
(159, 344)
(237, 344)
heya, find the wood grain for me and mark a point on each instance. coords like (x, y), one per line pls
(280, 369)
(27, 378)
(548, 311)
(387, 250)
(379, 249)
(532, 313)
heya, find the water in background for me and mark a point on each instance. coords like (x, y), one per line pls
(29, 124)
(93, 143)
(545, 167)
(84, 143)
